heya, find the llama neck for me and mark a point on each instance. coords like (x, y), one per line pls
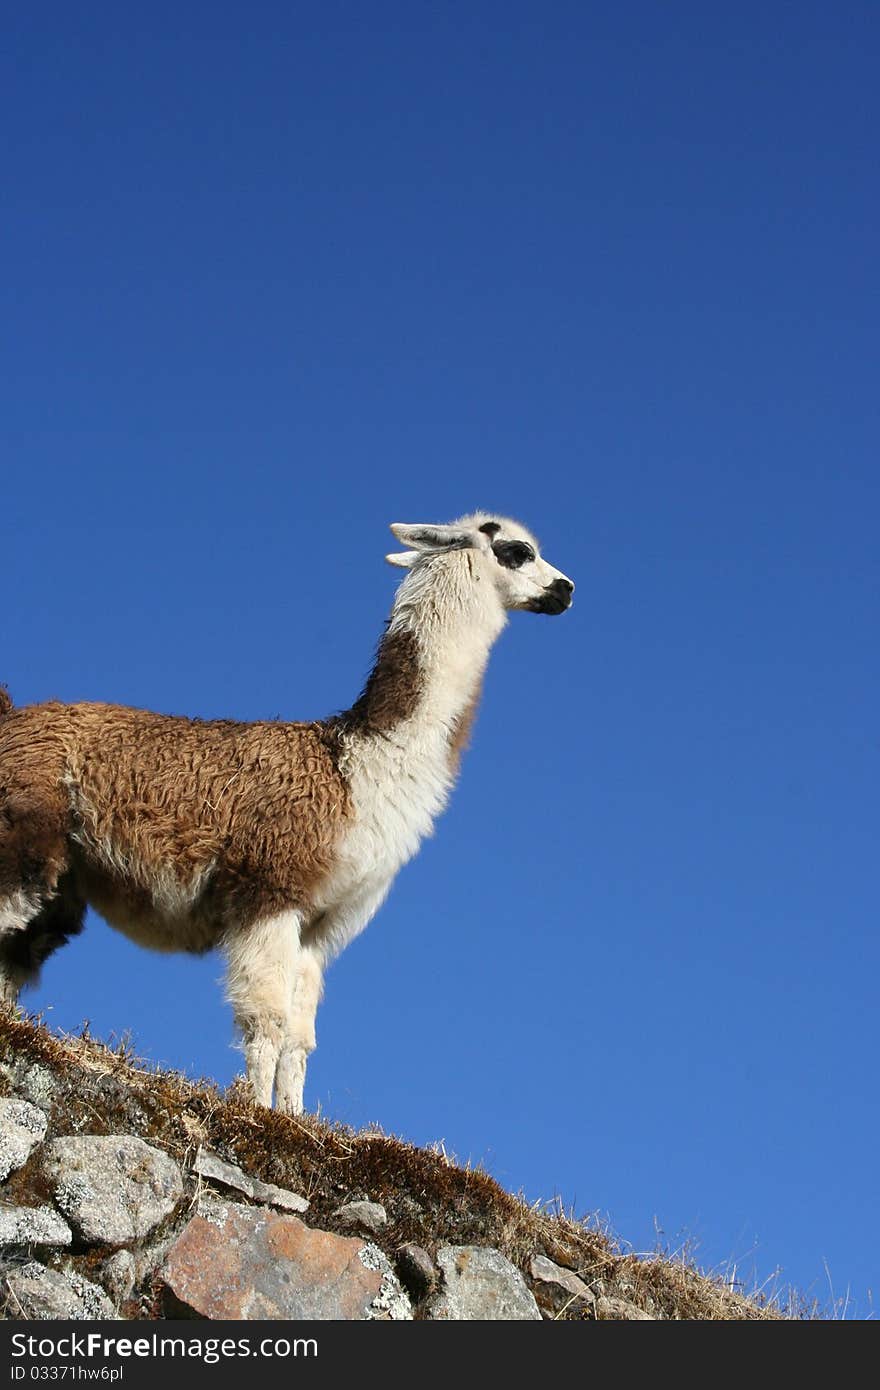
(431, 660)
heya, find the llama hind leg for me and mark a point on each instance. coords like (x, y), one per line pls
(32, 927)
(260, 984)
(39, 905)
(17, 909)
(299, 1041)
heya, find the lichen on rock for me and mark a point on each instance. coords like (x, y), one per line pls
(113, 1189)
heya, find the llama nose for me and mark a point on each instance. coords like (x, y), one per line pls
(563, 587)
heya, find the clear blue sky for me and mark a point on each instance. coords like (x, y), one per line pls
(277, 275)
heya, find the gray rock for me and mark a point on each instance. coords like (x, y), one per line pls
(558, 1289)
(620, 1309)
(32, 1226)
(127, 1271)
(210, 1165)
(480, 1285)
(112, 1189)
(22, 1127)
(33, 1081)
(33, 1291)
(118, 1275)
(391, 1303)
(368, 1216)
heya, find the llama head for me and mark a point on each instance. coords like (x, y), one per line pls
(508, 554)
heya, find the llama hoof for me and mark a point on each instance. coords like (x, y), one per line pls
(289, 1105)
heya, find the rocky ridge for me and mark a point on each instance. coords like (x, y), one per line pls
(126, 1193)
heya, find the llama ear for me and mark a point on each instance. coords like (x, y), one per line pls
(403, 559)
(434, 537)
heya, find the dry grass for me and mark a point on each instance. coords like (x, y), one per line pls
(430, 1200)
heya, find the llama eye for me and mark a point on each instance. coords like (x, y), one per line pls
(513, 554)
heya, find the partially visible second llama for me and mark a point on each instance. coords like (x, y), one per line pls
(275, 842)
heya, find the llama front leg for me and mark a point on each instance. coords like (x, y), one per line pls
(322, 939)
(261, 976)
(299, 1042)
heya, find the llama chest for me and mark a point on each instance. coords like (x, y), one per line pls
(397, 788)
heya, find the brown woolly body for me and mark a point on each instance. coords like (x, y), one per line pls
(177, 830)
(174, 829)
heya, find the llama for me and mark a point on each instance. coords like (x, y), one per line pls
(275, 842)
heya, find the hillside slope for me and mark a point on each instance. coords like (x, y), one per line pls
(431, 1220)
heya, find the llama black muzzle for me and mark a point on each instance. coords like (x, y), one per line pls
(555, 598)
